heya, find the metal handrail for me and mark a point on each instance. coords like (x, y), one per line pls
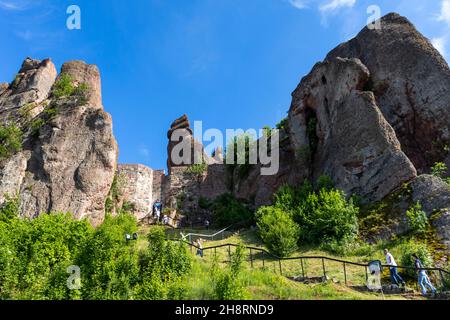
(203, 235)
(308, 257)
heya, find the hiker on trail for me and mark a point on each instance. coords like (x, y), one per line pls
(199, 248)
(157, 208)
(207, 224)
(424, 279)
(395, 277)
(165, 219)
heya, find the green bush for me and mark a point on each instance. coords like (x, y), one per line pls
(10, 208)
(227, 285)
(406, 260)
(239, 154)
(227, 210)
(64, 87)
(277, 230)
(439, 169)
(10, 140)
(417, 219)
(327, 216)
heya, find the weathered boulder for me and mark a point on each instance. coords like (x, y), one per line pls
(340, 128)
(68, 162)
(411, 83)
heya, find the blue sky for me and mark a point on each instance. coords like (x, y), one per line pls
(229, 63)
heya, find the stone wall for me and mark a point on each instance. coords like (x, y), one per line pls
(137, 188)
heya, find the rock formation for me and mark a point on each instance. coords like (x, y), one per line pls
(341, 129)
(69, 154)
(411, 83)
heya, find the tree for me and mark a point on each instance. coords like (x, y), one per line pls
(277, 230)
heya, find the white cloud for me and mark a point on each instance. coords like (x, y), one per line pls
(13, 6)
(445, 12)
(440, 44)
(335, 5)
(299, 4)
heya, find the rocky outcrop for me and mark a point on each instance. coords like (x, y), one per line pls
(69, 153)
(32, 84)
(411, 83)
(341, 130)
(181, 139)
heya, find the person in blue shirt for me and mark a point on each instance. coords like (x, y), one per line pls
(157, 209)
(424, 279)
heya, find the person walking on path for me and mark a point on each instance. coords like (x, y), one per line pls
(395, 277)
(424, 279)
(157, 208)
(199, 248)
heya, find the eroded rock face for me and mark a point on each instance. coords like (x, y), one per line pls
(32, 84)
(180, 134)
(340, 127)
(411, 83)
(68, 163)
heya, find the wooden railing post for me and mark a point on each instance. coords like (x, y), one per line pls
(324, 270)
(279, 262)
(345, 274)
(251, 258)
(229, 253)
(303, 270)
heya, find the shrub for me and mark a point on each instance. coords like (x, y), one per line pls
(282, 124)
(277, 230)
(10, 208)
(227, 285)
(407, 249)
(10, 140)
(227, 210)
(64, 88)
(240, 146)
(326, 217)
(417, 219)
(439, 169)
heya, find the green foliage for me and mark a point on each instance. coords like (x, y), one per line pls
(227, 285)
(35, 256)
(277, 230)
(282, 124)
(325, 182)
(240, 146)
(311, 131)
(327, 216)
(115, 193)
(64, 87)
(10, 208)
(197, 170)
(406, 260)
(417, 219)
(203, 203)
(324, 217)
(439, 169)
(162, 267)
(227, 210)
(10, 140)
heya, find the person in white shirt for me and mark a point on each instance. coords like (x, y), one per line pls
(395, 277)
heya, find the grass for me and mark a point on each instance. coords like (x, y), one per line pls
(264, 281)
